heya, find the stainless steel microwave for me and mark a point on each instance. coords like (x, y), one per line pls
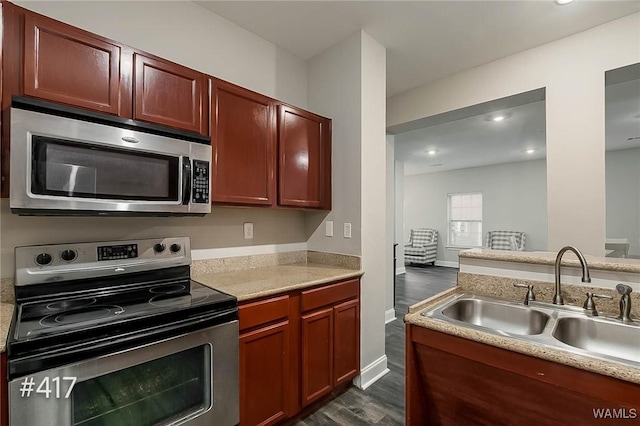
(65, 162)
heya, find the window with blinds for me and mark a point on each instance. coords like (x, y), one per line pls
(465, 220)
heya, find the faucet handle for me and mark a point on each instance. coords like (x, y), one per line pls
(590, 305)
(623, 289)
(530, 296)
(625, 302)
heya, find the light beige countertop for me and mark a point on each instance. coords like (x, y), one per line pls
(549, 258)
(259, 282)
(245, 284)
(6, 314)
(612, 369)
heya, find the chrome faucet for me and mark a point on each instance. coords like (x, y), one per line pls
(557, 295)
(625, 302)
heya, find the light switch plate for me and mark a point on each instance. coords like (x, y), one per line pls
(347, 230)
(328, 230)
(248, 230)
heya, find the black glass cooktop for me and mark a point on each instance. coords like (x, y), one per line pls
(55, 317)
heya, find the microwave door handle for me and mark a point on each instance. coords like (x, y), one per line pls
(186, 180)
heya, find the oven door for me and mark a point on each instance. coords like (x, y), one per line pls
(190, 379)
(69, 166)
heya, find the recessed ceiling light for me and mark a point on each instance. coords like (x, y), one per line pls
(562, 2)
(531, 151)
(498, 117)
(432, 152)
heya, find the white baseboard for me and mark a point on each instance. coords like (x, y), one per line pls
(401, 270)
(447, 264)
(371, 373)
(389, 315)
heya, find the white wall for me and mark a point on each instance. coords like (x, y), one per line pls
(400, 238)
(623, 196)
(220, 229)
(513, 199)
(572, 71)
(334, 90)
(391, 207)
(195, 37)
(375, 241)
(347, 82)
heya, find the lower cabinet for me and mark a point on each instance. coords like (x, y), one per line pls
(317, 355)
(4, 393)
(296, 349)
(330, 338)
(346, 358)
(264, 369)
(455, 381)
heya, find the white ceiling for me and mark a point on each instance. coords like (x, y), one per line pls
(622, 115)
(475, 142)
(425, 40)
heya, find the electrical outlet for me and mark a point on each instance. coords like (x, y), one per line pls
(328, 231)
(248, 230)
(347, 230)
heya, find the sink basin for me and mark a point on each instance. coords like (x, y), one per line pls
(612, 339)
(498, 316)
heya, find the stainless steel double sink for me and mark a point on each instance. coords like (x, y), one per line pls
(562, 327)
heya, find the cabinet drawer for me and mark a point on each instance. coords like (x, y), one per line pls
(263, 312)
(316, 298)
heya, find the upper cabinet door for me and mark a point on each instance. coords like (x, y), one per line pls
(169, 94)
(304, 174)
(243, 142)
(67, 65)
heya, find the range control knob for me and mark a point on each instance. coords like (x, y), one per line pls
(159, 248)
(175, 248)
(68, 255)
(44, 259)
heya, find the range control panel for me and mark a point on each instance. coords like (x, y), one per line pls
(124, 251)
(200, 193)
(77, 261)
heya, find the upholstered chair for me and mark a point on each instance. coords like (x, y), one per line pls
(422, 246)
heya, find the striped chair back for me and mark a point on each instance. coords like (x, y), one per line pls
(506, 240)
(422, 236)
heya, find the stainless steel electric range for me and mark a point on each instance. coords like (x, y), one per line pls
(116, 333)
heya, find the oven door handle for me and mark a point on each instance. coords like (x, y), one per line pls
(186, 180)
(69, 354)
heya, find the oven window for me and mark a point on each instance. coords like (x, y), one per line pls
(73, 169)
(157, 392)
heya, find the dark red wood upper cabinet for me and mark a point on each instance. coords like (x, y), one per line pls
(243, 142)
(304, 173)
(68, 65)
(169, 94)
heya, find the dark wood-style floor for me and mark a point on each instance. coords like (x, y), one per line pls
(383, 402)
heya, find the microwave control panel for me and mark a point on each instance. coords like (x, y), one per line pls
(200, 193)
